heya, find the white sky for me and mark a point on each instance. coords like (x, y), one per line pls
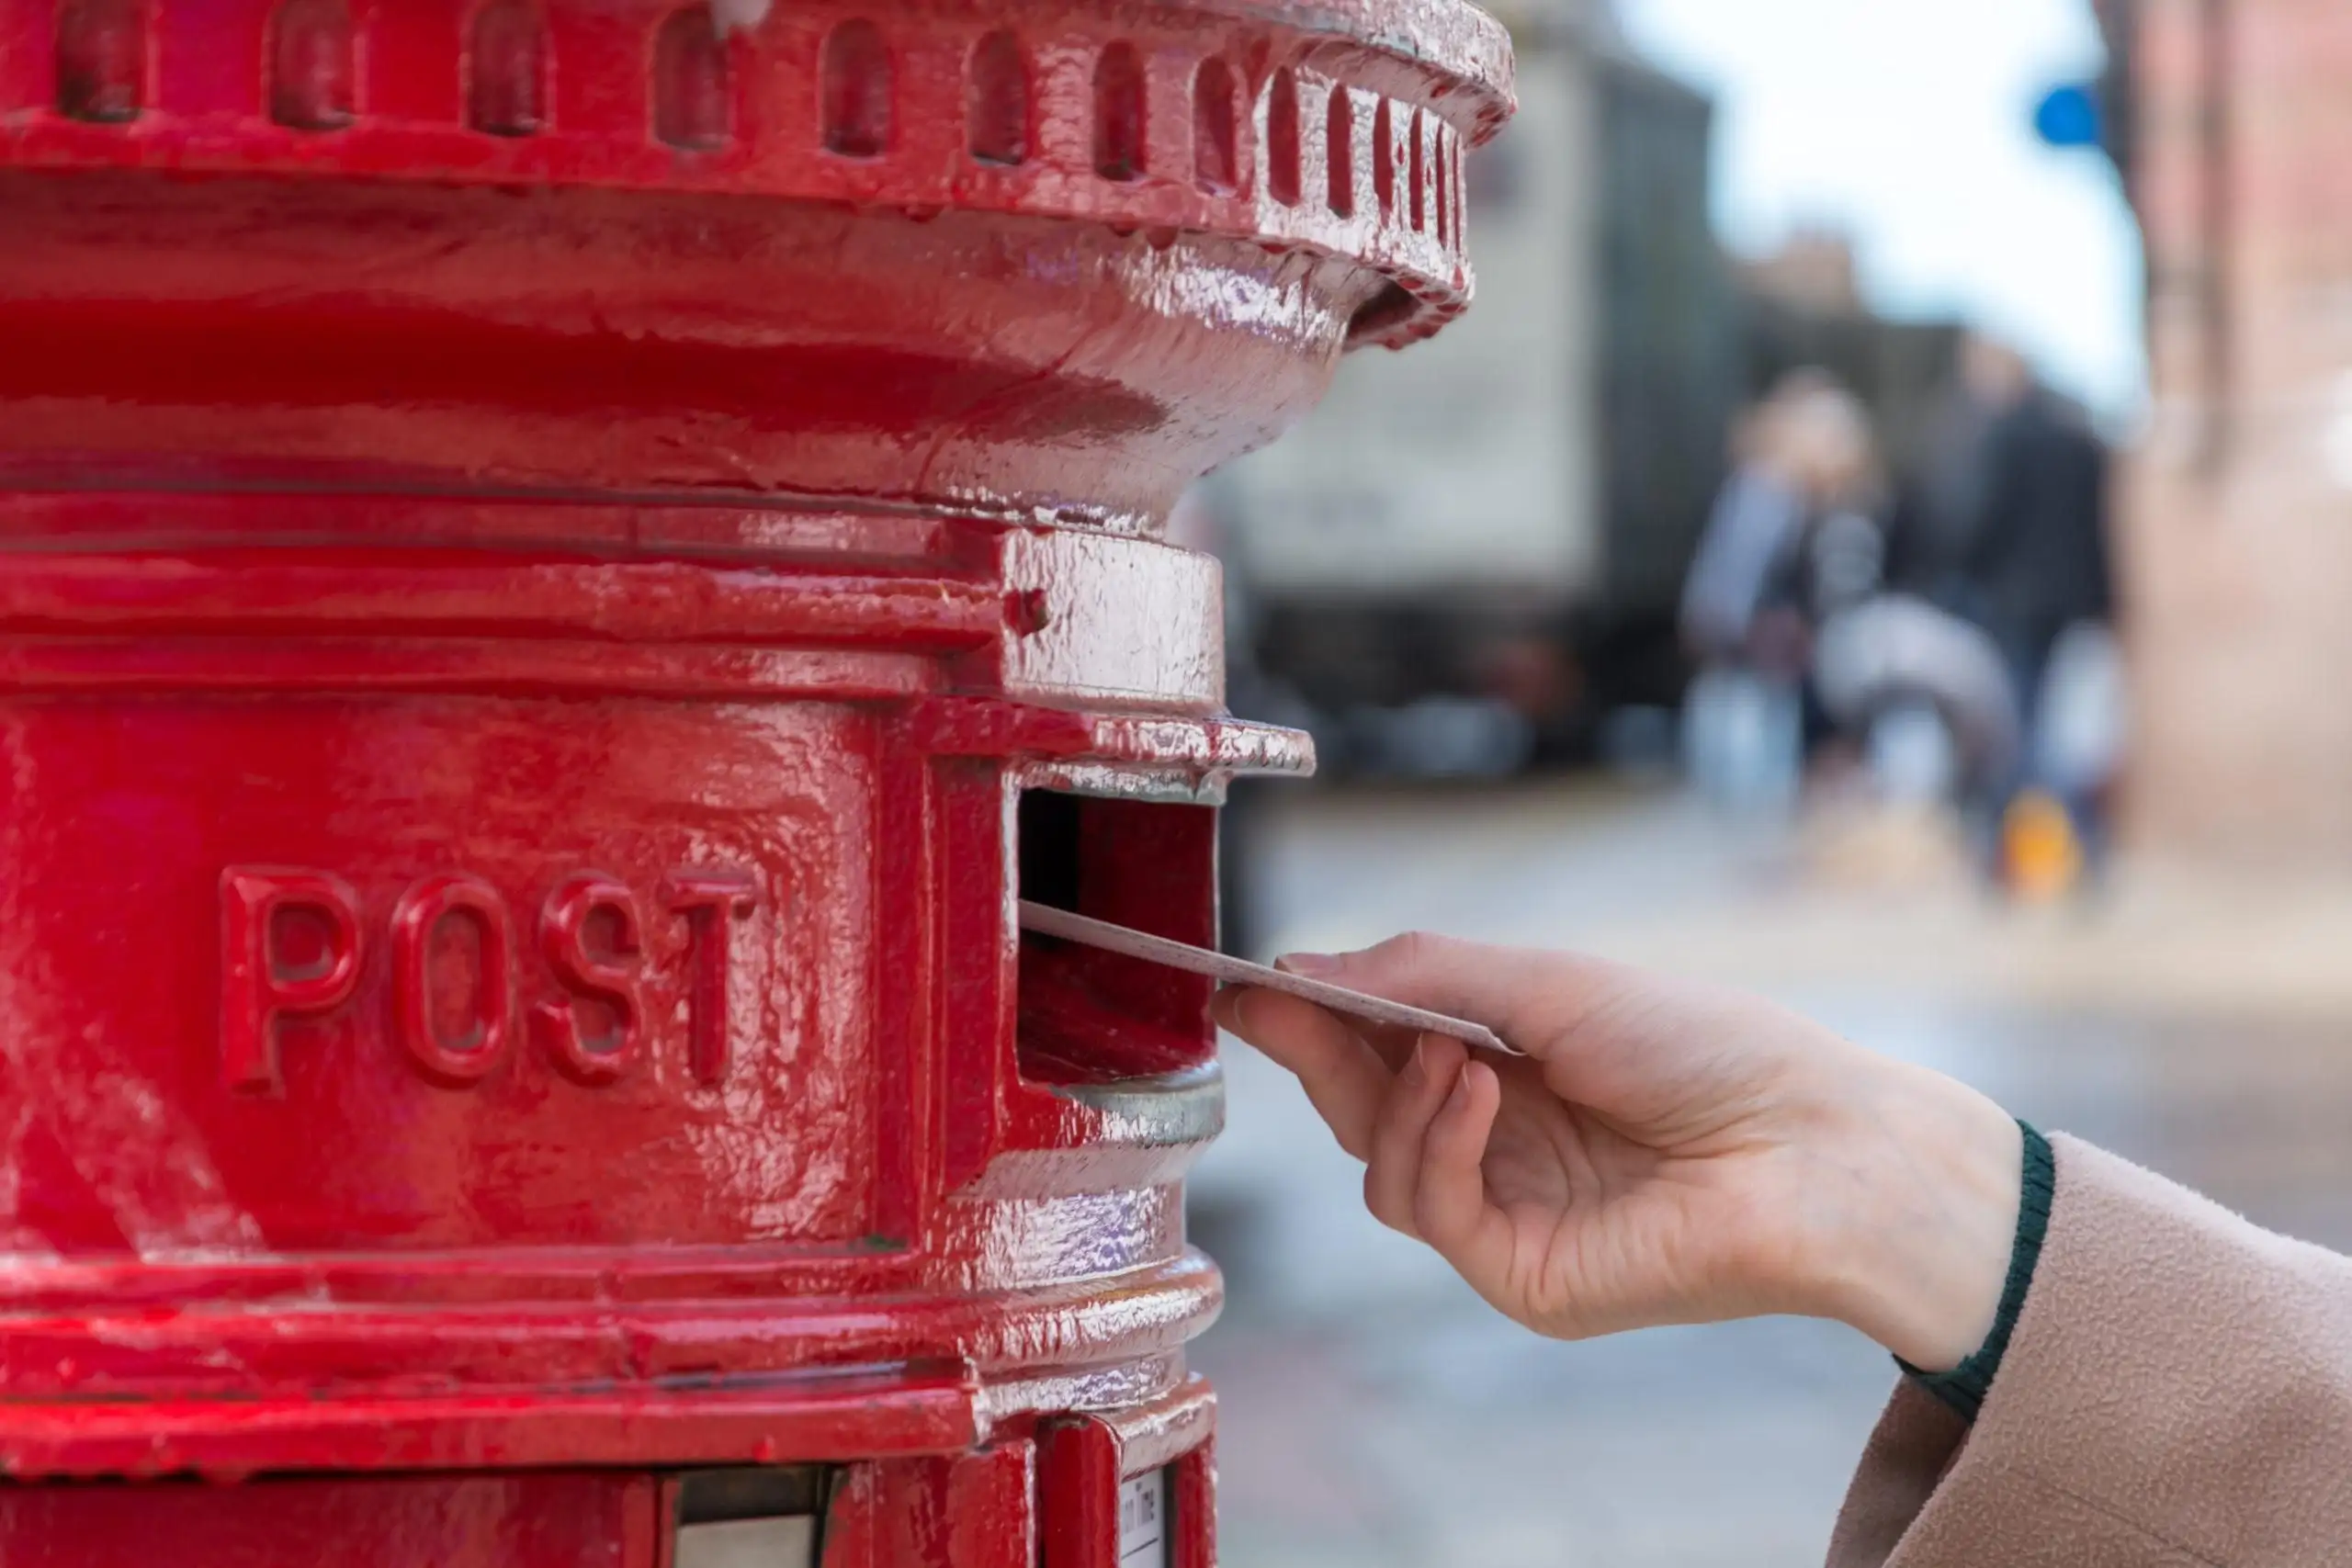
(1907, 124)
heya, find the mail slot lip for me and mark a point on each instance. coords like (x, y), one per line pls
(1136, 1133)
(1133, 753)
(1172, 1109)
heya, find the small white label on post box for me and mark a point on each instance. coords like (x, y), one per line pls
(1144, 1533)
(747, 1543)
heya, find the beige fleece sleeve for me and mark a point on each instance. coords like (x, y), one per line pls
(2179, 1391)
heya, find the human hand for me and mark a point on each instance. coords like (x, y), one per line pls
(1663, 1152)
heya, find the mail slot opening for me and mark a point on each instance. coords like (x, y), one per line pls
(1085, 1016)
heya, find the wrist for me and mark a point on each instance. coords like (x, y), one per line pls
(1920, 1238)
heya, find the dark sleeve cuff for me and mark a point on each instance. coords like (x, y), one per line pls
(1964, 1387)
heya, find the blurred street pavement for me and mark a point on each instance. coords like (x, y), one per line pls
(1374, 1414)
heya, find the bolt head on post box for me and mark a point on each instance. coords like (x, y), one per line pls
(569, 562)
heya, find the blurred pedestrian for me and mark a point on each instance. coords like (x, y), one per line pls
(1792, 541)
(2037, 557)
(2025, 545)
(1938, 511)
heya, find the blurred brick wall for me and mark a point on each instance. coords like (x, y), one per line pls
(2237, 517)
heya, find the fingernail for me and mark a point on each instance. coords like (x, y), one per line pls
(1459, 1099)
(1237, 1012)
(1307, 964)
(1417, 1071)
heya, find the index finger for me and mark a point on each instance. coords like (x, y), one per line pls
(1525, 995)
(1343, 1078)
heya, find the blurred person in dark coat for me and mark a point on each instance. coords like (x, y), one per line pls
(2006, 525)
(2035, 558)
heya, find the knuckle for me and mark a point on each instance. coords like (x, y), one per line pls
(1410, 949)
(1425, 969)
(1428, 1215)
(1407, 962)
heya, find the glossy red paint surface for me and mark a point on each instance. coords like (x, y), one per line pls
(491, 1521)
(546, 547)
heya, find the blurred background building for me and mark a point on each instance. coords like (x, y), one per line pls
(2234, 123)
(1469, 562)
(1461, 562)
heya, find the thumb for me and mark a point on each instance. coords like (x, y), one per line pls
(1524, 995)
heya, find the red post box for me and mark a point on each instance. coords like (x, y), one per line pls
(565, 560)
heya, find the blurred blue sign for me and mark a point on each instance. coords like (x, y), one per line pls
(2068, 116)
